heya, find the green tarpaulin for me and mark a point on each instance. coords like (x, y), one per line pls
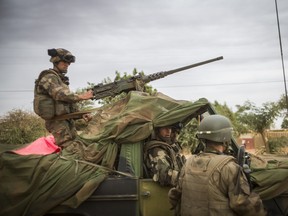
(270, 177)
(33, 184)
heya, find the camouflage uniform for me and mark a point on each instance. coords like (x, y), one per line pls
(213, 184)
(163, 161)
(52, 85)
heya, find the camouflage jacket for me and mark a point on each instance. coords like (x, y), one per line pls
(52, 96)
(211, 184)
(163, 161)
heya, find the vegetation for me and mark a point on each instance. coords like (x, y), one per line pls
(258, 119)
(187, 136)
(239, 128)
(278, 145)
(20, 127)
(284, 111)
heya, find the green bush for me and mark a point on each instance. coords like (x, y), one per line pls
(20, 127)
(187, 136)
(278, 145)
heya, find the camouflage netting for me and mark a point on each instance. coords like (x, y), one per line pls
(129, 121)
(33, 184)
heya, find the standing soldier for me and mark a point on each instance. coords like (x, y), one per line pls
(162, 156)
(52, 97)
(212, 183)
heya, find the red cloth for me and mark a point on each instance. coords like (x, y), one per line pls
(41, 146)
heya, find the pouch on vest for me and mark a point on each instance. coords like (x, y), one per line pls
(44, 106)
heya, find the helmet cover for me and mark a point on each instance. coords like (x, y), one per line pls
(61, 54)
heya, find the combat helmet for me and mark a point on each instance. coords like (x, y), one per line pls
(60, 54)
(215, 128)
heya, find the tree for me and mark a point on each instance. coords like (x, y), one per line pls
(258, 119)
(284, 110)
(284, 124)
(20, 127)
(187, 136)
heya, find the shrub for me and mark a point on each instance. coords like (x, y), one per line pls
(278, 145)
(20, 127)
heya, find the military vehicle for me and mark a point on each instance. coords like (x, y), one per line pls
(112, 179)
(103, 172)
(139, 194)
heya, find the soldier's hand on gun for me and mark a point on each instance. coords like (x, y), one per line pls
(87, 95)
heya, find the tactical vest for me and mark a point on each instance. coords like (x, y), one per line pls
(201, 196)
(172, 150)
(44, 105)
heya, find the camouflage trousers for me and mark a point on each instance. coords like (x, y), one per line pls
(64, 131)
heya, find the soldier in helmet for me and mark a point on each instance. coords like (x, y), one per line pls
(212, 183)
(162, 156)
(52, 97)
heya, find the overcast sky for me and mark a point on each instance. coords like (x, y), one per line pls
(151, 36)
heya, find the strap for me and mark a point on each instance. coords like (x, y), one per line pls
(98, 166)
(219, 162)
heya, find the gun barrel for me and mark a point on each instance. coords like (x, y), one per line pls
(162, 74)
(116, 87)
(195, 65)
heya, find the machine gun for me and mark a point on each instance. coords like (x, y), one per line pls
(137, 82)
